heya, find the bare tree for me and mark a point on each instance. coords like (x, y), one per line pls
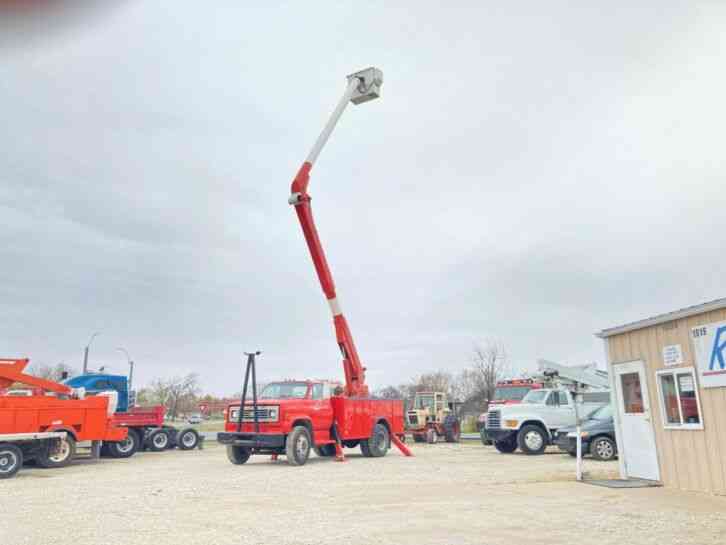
(178, 394)
(437, 381)
(489, 365)
(389, 392)
(51, 372)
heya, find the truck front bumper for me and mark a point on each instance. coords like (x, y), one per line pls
(499, 434)
(252, 440)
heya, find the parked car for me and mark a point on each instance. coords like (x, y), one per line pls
(598, 436)
(532, 425)
(195, 419)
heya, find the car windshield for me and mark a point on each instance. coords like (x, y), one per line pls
(285, 390)
(510, 393)
(603, 413)
(535, 396)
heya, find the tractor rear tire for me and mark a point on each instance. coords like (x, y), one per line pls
(452, 429)
(125, 448)
(238, 455)
(158, 440)
(11, 460)
(419, 438)
(297, 446)
(506, 447)
(59, 454)
(377, 444)
(431, 436)
(325, 451)
(187, 439)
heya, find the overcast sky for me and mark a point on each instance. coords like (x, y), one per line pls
(534, 172)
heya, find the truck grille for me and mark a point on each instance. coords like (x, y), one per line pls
(264, 414)
(494, 419)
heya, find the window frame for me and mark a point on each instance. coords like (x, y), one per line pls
(674, 372)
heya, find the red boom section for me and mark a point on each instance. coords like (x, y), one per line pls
(11, 371)
(355, 382)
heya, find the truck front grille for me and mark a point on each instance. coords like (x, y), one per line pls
(494, 419)
(264, 414)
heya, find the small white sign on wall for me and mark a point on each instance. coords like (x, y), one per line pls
(709, 351)
(672, 355)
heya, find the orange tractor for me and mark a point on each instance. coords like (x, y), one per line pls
(433, 417)
(46, 425)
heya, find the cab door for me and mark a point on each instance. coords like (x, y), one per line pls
(322, 411)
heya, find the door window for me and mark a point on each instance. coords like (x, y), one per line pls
(632, 393)
(317, 391)
(679, 401)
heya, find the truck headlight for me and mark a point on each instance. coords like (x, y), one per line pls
(274, 414)
(511, 423)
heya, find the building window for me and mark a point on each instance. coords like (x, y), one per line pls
(632, 393)
(679, 401)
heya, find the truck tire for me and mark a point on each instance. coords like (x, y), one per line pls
(11, 460)
(532, 439)
(325, 451)
(238, 455)
(431, 436)
(452, 429)
(158, 440)
(377, 444)
(603, 448)
(506, 447)
(484, 437)
(126, 448)
(187, 439)
(297, 446)
(59, 454)
(419, 438)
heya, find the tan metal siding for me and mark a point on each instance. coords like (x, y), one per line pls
(688, 459)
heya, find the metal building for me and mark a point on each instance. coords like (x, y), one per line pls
(668, 378)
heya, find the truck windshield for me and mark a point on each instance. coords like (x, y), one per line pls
(510, 394)
(285, 390)
(535, 396)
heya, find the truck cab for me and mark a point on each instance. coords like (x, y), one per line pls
(94, 384)
(531, 425)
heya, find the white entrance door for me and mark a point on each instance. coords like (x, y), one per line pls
(641, 459)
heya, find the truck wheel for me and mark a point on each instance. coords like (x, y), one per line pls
(532, 439)
(325, 450)
(158, 440)
(297, 446)
(484, 437)
(11, 460)
(431, 436)
(125, 448)
(238, 455)
(603, 449)
(187, 439)
(57, 453)
(377, 444)
(506, 447)
(452, 429)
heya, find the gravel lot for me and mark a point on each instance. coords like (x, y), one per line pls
(447, 494)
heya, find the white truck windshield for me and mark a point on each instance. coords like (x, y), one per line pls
(535, 396)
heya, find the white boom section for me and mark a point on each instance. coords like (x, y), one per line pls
(585, 375)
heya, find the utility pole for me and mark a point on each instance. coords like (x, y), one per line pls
(85, 353)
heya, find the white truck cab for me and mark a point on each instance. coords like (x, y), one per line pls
(532, 424)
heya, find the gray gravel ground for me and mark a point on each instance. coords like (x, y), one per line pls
(447, 494)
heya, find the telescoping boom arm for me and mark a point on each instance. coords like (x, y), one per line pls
(362, 87)
(11, 371)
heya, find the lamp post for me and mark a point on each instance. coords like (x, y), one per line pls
(85, 353)
(131, 366)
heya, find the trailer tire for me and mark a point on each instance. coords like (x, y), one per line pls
(325, 451)
(377, 444)
(238, 455)
(11, 460)
(126, 448)
(452, 429)
(506, 447)
(64, 456)
(158, 440)
(187, 439)
(297, 446)
(532, 439)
